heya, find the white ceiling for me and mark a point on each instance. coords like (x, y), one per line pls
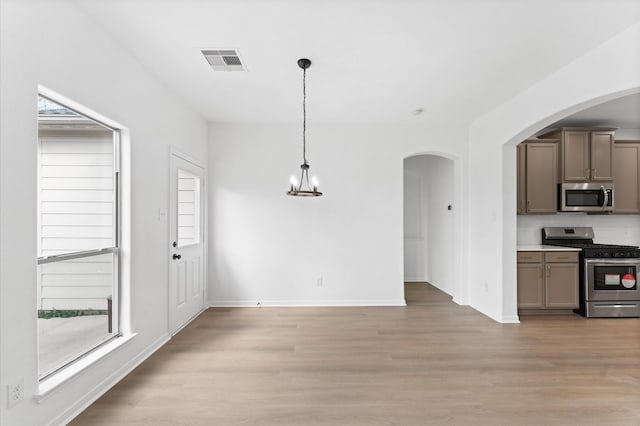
(373, 61)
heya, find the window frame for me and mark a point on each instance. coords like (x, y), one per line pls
(115, 250)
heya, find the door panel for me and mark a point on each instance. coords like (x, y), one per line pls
(627, 178)
(530, 285)
(521, 168)
(602, 156)
(575, 156)
(562, 285)
(186, 218)
(542, 166)
(181, 283)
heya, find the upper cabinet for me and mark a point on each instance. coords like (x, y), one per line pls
(627, 177)
(585, 154)
(537, 177)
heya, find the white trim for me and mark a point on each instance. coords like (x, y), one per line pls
(510, 319)
(175, 151)
(305, 303)
(79, 108)
(47, 386)
(416, 280)
(460, 302)
(101, 388)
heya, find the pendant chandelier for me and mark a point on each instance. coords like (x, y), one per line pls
(304, 189)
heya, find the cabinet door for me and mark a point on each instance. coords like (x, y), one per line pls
(627, 178)
(602, 156)
(575, 156)
(541, 173)
(530, 285)
(521, 173)
(561, 286)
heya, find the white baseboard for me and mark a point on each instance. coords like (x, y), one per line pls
(101, 388)
(303, 303)
(510, 319)
(460, 301)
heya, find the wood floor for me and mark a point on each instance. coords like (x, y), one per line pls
(431, 363)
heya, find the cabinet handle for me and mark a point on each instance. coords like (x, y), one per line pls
(586, 173)
(595, 173)
(528, 205)
(548, 271)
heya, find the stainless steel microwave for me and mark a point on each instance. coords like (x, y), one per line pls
(588, 197)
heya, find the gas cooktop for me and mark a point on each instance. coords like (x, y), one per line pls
(582, 237)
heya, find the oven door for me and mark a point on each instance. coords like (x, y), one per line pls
(612, 279)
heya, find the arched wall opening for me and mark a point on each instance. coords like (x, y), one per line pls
(431, 223)
(510, 222)
(609, 71)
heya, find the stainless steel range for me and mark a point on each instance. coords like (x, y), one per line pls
(608, 273)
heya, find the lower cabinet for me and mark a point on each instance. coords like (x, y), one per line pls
(547, 280)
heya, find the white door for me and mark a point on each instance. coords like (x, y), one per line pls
(186, 218)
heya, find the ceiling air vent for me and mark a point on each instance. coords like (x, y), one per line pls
(224, 60)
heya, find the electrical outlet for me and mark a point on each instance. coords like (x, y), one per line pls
(15, 392)
(319, 282)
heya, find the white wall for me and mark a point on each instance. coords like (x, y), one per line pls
(628, 134)
(428, 224)
(440, 244)
(270, 248)
(608, 71)
(53, 44)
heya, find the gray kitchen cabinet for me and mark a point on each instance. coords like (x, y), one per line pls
(626, 177)
(530, 285)
(547, 280)
(585, 154)
(602, 166)
(561, 285)
(522, 178)
(575, 156)
(537, 177)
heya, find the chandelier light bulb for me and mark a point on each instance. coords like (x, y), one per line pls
(293, 181)
(314, 181)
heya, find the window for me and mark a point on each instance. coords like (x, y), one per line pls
(188, 208)
(78, 280)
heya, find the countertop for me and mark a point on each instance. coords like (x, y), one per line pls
(543, 247)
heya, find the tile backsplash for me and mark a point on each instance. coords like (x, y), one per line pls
(608, 229)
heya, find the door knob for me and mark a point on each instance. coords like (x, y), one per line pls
(177, 256)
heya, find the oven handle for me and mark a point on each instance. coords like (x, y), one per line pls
(615, 305)
(613, 262)
(606, 197)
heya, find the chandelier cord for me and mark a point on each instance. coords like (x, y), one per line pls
(304, 115)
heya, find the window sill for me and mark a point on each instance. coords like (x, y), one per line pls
(54, 382)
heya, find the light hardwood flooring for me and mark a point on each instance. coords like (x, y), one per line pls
(430, 363)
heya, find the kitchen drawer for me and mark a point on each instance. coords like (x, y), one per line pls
(530, 256)
(561, 256)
